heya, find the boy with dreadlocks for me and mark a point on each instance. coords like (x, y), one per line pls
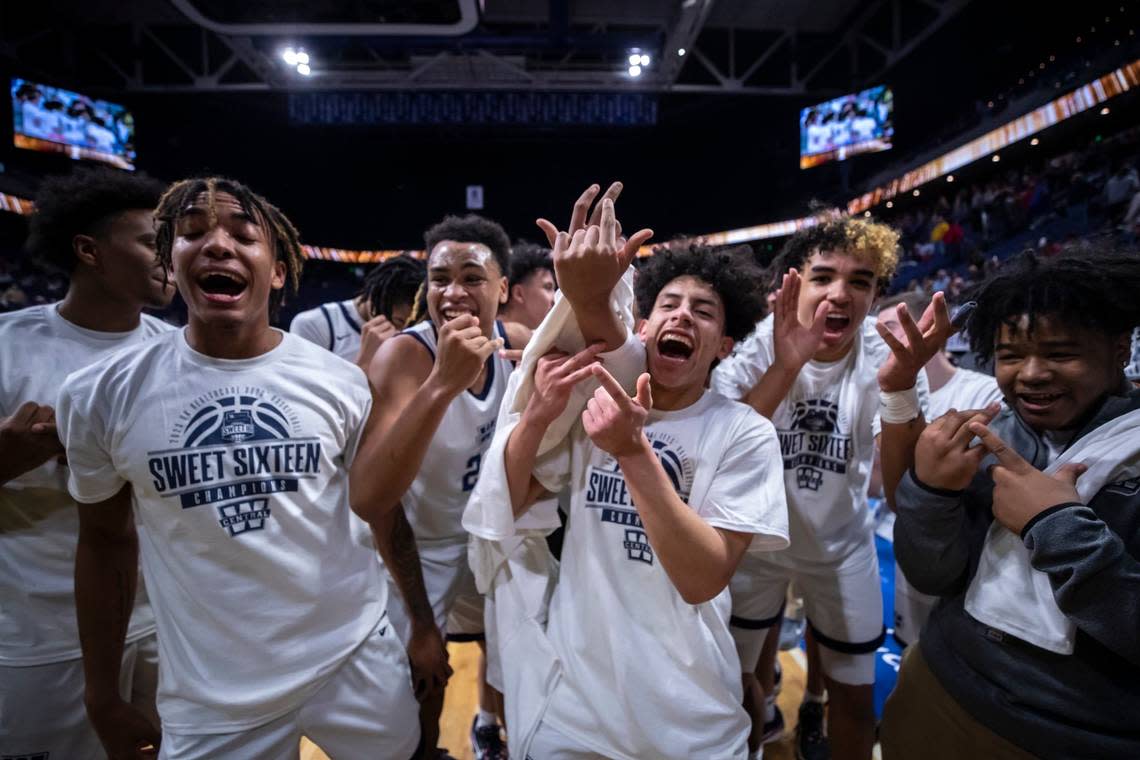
(99, 227)
(669, 487)
(355, 328)
(241, 449)
(1030, 537)
(810, 368)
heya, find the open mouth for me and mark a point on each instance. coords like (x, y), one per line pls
(222, 286)
(836, 323)
(1038, 402)
(675, 346)
(449, 314)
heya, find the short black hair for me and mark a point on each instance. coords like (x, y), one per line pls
(286, 241)
(732, 272)
(1091, 289)
(472, 228)
(393, 282)
(84, 202)
(526, 259)
(876, 241)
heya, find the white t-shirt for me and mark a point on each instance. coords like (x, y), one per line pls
(646, 674)
(966, 390)
(825, 426)
(39, 523)
(334, 326)
(434, 502)
(240, 476)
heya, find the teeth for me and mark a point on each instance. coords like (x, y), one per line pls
(682, 339)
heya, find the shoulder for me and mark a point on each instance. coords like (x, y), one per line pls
(24, 319)
(337, 377)
(737, 419)
(155, 326)
(309, 320)
(404, 358)
(516, 334)
(126, 367)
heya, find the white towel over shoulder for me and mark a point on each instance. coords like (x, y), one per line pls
(1007, 593)
(510, 559)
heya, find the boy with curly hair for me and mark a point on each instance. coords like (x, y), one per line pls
(670, 487)
(810, 369)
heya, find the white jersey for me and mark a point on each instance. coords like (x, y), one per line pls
(434, 503)
(631, 648)
(826, 435)
(966, 390)
(239, 470)
(334, 326)
(39, 523)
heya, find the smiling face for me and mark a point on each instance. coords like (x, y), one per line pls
(224, 261)
(532, 298)
(847, 284)
(1054, 375)
(464, 278)
(684, 334)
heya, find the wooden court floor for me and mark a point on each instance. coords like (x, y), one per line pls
(460, 703)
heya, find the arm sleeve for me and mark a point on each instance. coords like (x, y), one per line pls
(747, 492)
(357, 414)
(82, 430)
(930, 537)
(1095, 580)
(313, 326)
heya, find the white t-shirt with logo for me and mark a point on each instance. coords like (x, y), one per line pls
(966, 389)
(434, 502)
(239, 471)
(646, 674)
(39, 524)
(825, 427)
(334, 326)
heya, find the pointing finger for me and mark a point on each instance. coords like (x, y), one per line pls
(996, 446)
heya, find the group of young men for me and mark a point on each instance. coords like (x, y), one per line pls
(708, 458)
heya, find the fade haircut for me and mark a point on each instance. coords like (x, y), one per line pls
(472, 228)
(85, 202)
(284, 239)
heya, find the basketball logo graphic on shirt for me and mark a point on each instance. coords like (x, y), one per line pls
(814, 444)
(607, 492)
(233, 448)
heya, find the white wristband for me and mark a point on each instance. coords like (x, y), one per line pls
(899, 407)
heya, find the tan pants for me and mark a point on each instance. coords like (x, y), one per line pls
(921, 720)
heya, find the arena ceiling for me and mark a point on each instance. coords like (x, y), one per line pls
(759, 47)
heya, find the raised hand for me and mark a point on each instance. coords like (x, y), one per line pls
(29, 438)
(589, 259)
(1021, 491)
(615, 421)
(923, 341)
(463, 350)
(124, 731)
(372, 335)
(555, 377)
(427, 655)
(943, 457)
(795, 343)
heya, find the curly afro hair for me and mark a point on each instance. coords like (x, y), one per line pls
(472, 229)
(1090, 289)
(392, 283)
(866, 239)
(84, 202)
(732, 272)
(282, 234)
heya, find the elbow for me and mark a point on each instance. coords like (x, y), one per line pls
(699, 593)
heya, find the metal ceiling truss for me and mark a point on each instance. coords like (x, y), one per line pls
(171, 57)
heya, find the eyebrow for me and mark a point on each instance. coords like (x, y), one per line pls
(824, 269)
